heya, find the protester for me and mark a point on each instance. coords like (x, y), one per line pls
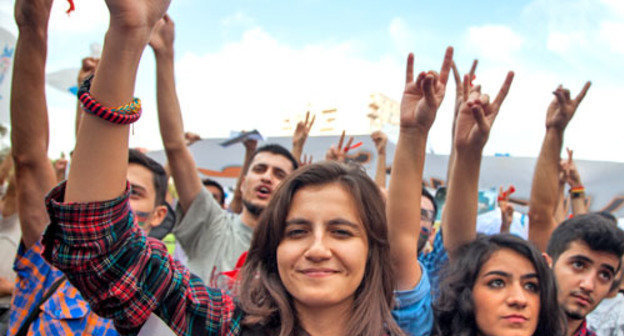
(608, 317)
(498, 285)
(212, 238)
(585, 251)
(437, 258)
(216, 190)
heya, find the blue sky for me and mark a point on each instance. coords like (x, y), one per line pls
(249, 64)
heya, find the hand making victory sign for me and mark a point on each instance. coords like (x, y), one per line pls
(339, 153)
(301, 135)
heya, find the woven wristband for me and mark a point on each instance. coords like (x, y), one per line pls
(123, 115)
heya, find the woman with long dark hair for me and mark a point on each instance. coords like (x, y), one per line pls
(498, 285)
(320, 263)
(320, 249)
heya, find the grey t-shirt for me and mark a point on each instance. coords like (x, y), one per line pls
(212, 238)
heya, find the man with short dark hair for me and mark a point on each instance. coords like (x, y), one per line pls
(148, 183)
(584, 252)
(212, 238)
(216, 190)
(428, 215)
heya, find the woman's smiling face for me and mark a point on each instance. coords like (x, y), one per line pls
(322, 257)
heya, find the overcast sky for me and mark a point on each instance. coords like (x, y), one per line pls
(249, 64)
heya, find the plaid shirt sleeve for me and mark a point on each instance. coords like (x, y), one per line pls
(126, 276)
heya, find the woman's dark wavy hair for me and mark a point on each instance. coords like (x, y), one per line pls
(454, 309)
(262, 296)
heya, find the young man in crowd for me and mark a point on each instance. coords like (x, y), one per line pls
(216, 190)
(212, 238)
(608, 317)
(148, 185)
(428, 215)
(584, 252)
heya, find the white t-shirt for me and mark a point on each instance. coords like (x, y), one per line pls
(608, 318)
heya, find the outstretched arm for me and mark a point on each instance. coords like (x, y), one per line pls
(545, 187)
(577, 190)
(474, 122)
(381, 140)
(236, 206)
(181, 161)
(130, 26)
(419, 105)
(29, 118)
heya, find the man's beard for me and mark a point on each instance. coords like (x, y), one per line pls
(254, 209)
(573, 315)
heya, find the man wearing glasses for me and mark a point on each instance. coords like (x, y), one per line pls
(437, 257)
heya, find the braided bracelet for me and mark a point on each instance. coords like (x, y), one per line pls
(123, 115)
(577, 192)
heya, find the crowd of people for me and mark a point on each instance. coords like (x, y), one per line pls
(303, 248)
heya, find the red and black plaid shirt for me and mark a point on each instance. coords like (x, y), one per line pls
(583, 331)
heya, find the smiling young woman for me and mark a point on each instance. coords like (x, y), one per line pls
(498, 285)
(320, 256)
